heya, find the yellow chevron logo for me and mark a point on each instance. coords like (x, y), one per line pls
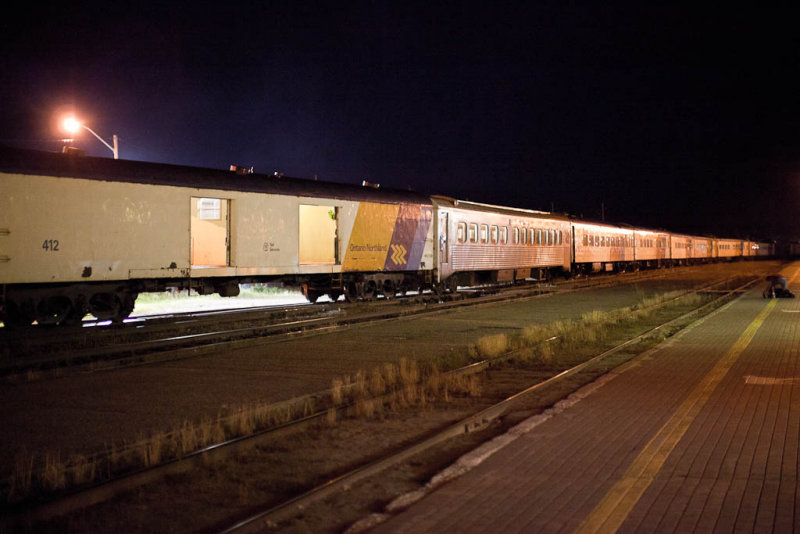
(399, 254)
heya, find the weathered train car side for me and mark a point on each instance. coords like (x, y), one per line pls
(652, 247)
(729, 248)
(105, 230)
(702, 249)
(478, 243)
(602, 247)
(680, 247)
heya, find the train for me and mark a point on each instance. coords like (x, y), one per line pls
(85, 236)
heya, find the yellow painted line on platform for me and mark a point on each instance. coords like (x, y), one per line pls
(610, 512)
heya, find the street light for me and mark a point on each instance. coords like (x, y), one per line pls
(72, 125)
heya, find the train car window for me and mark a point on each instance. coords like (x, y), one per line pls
(585, 240)
(515, 235)
(484, 233)
(208, 209)
(461, 232)
(473, 233)
(538, 237)
(524, 236)
(558, 237)
(494, 234)
(503, 235)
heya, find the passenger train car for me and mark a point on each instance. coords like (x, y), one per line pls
(480, 243)
(85, 235)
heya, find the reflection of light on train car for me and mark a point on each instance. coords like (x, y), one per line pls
(107, 230)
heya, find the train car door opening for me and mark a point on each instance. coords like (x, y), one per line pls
(319, 235)
(210, 232)
(444, 231)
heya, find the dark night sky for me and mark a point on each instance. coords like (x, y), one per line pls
(671, 116)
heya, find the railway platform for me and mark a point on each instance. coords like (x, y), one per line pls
(700, 434)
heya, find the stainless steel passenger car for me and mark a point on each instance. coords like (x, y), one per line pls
(729, 248)
(702, 249)
(680, 249)
(602, 247)
(652, 247)
(480, 243)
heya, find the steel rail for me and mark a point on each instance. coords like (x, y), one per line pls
(103, 491)
(128, 353)
(482, 419)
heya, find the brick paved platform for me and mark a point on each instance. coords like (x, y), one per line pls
(699, 435)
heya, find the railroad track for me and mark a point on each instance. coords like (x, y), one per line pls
(276, 513)
(44, 351)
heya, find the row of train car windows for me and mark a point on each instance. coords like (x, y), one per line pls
(728, 246)
(590, 240)
(485, 233)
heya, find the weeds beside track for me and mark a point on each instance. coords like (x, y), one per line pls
(391, 389)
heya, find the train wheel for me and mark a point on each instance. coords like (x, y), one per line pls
(128, 303)
(17, 317)
(452, 284)
(105, 306)
(54, 310)
(351, 292)
(369, 290)
(74, 317)
(389, 289)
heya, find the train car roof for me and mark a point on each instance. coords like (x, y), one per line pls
(506, 210)
(33, 162)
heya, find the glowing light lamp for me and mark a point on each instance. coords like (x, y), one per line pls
(73, 125)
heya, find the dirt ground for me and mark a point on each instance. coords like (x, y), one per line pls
(211, 498)
(80, 413)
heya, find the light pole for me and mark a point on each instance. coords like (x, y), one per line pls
(72, 125)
